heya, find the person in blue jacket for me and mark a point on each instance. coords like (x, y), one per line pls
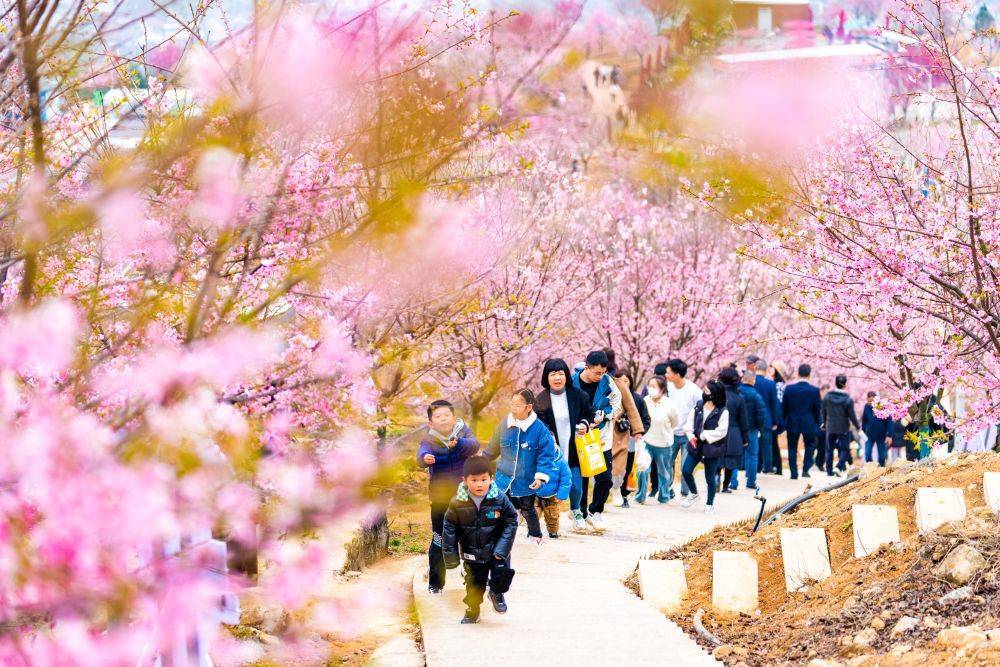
(876, 430)
(555, 491)
(759, 424)
(801, 406)
(593, 379)
(527, 457)
(768, 391)
(443, 451)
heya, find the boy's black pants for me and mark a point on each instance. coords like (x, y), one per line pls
(497, 575)
(435, 555)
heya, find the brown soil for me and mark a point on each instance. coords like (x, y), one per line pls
(793, 628)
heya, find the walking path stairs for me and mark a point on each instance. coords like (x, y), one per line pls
(568, 605)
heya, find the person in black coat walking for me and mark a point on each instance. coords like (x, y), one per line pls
(838, 417)
(800, 406)
(739, 426)
(479, 530)
(566, 411)
(876, 430)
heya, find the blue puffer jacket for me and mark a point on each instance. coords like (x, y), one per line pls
(759, 418)
(602, 397)
(558, 485)
(524, 456)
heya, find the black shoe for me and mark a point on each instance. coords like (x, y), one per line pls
(625, 503)
(805, 474)
(726, 490)
(433, 591)
(554, 536)
(499, 606)
(470, 617)
(834, 474)
(794, 477)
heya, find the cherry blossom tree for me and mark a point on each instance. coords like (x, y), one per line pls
(890, 246)
(186, 324)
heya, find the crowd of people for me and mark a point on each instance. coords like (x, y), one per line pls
(589, 438)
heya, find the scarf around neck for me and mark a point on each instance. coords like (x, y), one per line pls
(463, 492)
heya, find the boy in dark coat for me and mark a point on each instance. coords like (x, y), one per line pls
(444, 450)
(479, 529)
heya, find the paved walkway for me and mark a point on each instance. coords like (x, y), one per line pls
(568, 605)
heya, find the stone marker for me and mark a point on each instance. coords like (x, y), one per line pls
(805, 556)
(662, 583)
(734, 581)
(937, 506)
(991, 490)
(874, 525)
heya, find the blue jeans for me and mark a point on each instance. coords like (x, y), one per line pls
(882, 448)
(575, 490)
(642, 485)
(680, 447)
(711, 473)
(766, 450)
(664, 458)
(749, 463)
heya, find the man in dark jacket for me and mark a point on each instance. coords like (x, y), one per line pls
(801, 408)
(760, 424)
(739, 426)
(876, 430)
(767, 389)
(838, 417)
(444, 450)
(566, 411)
(479, 530)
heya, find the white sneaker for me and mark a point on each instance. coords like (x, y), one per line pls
(709, 509)
(596, 521)
(689, 500)
(616, 496)
(579, 525)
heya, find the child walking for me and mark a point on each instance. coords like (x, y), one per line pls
(527, 458)
(479, 530)
(553, 492)
(449, 443)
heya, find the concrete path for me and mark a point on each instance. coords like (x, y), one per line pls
(568, 605)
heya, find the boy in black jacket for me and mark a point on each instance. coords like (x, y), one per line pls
(479, 530)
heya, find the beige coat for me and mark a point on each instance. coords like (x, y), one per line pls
(619, 442)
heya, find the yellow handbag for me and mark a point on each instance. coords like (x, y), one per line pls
(590, 451)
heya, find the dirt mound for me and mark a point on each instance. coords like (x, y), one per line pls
(867, 596)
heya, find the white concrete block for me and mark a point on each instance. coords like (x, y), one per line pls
(874, 525)
(662, 582)
(734, 581)
(805, 555)
(937, 506)
(991, 490)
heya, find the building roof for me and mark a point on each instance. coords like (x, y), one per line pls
(855, 50)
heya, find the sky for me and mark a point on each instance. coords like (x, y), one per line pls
(239, 13)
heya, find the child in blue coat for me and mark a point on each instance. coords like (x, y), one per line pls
(553, 492)
(448, 444)
(527, 457)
